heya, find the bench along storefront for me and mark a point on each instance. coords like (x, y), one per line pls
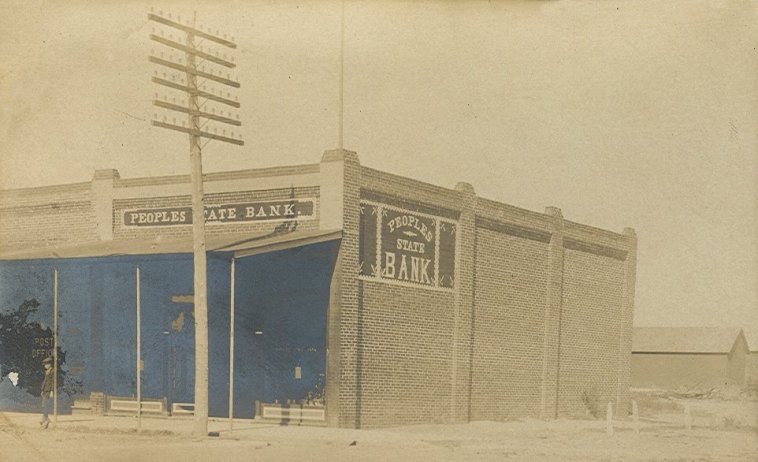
(361, 298)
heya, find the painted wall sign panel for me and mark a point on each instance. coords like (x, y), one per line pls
(447, 234)
(281, 210)
(399, 245)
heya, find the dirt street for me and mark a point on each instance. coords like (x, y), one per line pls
(664, 438)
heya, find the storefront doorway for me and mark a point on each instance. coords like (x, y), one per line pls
(281, 306)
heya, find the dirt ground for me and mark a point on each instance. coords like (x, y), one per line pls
(720, 431)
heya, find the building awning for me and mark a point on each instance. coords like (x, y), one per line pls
(240, 245)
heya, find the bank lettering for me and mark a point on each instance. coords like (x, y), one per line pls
(407, 244)
(231, 213)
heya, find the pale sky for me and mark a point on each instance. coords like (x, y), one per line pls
(639, 114)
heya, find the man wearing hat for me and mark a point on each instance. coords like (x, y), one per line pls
(46, 390)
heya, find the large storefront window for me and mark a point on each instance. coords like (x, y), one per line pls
(281, 307)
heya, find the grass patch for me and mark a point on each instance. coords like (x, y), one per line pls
(591, 402)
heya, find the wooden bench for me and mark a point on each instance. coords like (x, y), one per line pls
(123, 405)
(183, 409)
(292, 413)
(81, 406)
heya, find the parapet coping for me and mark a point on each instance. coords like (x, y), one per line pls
(492, 210)
(429, 187)
(484, 207)
(303, 169)
(44, 190)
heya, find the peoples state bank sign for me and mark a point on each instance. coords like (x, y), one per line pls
(406, 247)
(289, 209)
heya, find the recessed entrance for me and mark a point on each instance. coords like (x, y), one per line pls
(282, 300)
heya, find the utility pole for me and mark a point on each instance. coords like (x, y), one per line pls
(181, 74)
(139, 351)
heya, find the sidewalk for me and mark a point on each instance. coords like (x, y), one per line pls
(149, 425)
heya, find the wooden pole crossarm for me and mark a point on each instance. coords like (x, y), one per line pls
(206, 115)
(190, 299)
(199, 93)
(197, 133)
(191, 30)
(186, 49)
(193, 71)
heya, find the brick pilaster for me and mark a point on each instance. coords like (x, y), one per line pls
(626, 320)
(340, 199)
(552, 321)
(102, 201)
(463, 305)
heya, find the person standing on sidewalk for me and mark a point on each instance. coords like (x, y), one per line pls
(46, 391)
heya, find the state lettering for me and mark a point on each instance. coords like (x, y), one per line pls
(411, 246)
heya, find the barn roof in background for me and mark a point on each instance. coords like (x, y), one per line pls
(684, 339)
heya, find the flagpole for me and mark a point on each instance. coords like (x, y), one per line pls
(342, 76)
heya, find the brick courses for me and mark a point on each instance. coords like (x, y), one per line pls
(538, 323)
(405, 361)
(53, 215)
(590, 328)
(508, 328)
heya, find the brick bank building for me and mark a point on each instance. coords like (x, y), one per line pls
(361, 298)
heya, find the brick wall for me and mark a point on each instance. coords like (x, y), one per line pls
(404, 355)
(464, 294)
(401, 188)
(406, 335)
(38, 217)
(343, 359)
(511, 282)
(591, 323)
(540, 315)
(92, 211)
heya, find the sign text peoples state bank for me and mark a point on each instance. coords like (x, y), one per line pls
(406, 246)
(288, 209)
